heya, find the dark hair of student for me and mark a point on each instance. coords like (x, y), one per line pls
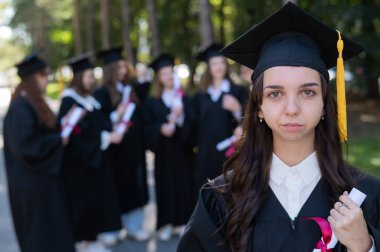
(207, 79)
(110, 79)
(247, 185)
(77, 84)
(29, 88)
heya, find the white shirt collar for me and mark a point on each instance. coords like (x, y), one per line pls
(119, 87)
(308, 169)
(216, 93)
(89, 102)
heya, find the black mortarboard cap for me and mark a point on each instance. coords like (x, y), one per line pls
(111, 55)
(163, 60)
(207, 53)
(290, 37)
(30, 65)
(80, 63)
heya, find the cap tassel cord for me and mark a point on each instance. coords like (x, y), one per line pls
(341, 92)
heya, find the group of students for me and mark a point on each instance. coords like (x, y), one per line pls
(78, 179)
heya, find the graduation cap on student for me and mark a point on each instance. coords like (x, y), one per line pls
(30, 64)
(209, 52)
(80, 63)
(163, 60)
(293, 37)
(111, 55)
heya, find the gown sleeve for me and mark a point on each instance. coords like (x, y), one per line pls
(152, 129)
(85, 146)
(203, 233)
(37, 148)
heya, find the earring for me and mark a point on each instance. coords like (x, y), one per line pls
(322, 117)
(261, 120)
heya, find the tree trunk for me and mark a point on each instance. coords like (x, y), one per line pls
(105, 20)
(76, 27)
(154, 28)
(90, 25)
(286, 1)
(126, 31)
(207, 33)
(222, 20)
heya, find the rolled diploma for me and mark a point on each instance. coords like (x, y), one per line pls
(356, 196)
(225, 143)
(72, 120)
(126, 94)
(122, 126)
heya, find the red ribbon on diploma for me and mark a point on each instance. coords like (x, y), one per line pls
(326, 230)
(230, 150)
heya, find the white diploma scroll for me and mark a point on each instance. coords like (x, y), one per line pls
(225, 143)
(71, 119)
(356, 196)
(122, 126)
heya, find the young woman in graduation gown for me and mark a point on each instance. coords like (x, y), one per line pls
(90, 188)
(33, 150)
(217, 110)
(288, 167)
(167, 128)
(127, 159)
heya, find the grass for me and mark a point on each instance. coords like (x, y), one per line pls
(364, 153)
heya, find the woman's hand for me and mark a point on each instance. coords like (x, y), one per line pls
(347, 222)
(121, 110)
(230, 103)
(116, 137)
(238, 132)
(65, 141)
(167, 129)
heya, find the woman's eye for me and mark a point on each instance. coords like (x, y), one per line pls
(308, 92)
(274, 94)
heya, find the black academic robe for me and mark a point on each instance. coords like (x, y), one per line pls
(142, 90)
(273, 228)
(173, 163)
(90, 187)
(32, 157)
(127, 159)
(213, 125)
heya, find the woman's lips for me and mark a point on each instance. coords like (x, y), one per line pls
(292, 127)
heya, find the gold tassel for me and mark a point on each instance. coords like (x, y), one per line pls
(341, 93)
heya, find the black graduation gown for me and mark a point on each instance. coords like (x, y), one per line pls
(173, 163)
(214, 124)
(90, 187)
(274, 230)
(142, 90)
(32, 157)
(127, 159)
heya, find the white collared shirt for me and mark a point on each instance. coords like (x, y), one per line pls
(216, 93)
(293, 185)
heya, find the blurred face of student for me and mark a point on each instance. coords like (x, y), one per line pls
(292, 103)
(218, 67)
(88, 79)
(165, 76)
(42, 80)
(122, 69)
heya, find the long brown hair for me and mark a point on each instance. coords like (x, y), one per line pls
(77, 84)
(247, 186)
(110, 78)
(207, 79)
(29, 88)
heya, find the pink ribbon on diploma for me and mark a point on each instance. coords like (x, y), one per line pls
(326, 230)
(230, 150)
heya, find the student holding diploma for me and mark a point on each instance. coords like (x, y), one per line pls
(33, 149)
(126, 160)
(218, 110)
(90, 188)
(287, 184)
(166, 127)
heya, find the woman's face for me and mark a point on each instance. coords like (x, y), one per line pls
(88, 79)
(42, 81)
(292, 103)
(165, 76)
(218, 67)
(122, 69)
